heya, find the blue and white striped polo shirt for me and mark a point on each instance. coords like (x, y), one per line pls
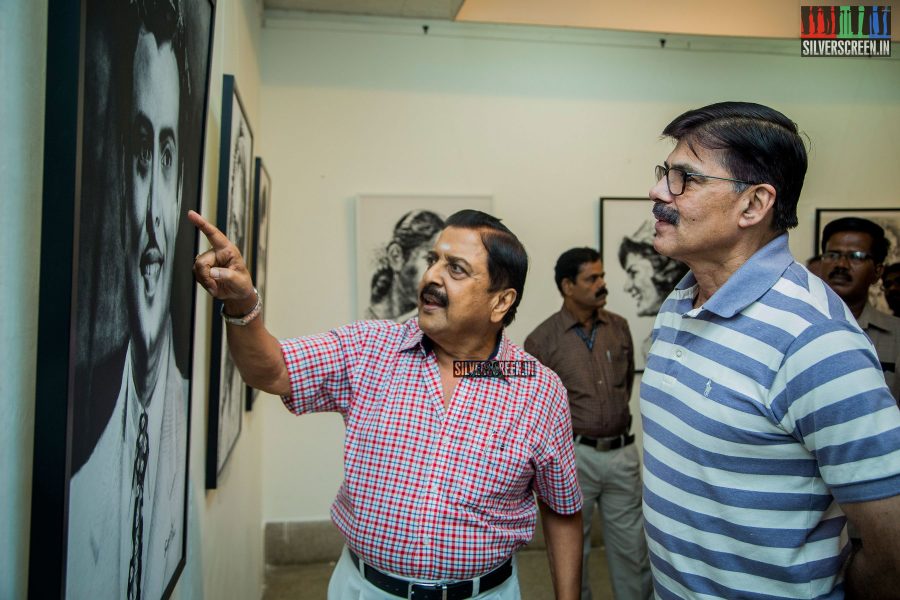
(762, 410)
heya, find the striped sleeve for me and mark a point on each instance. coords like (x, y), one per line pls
(836, 404)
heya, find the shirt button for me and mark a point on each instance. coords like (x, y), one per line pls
(678, 353)
(435, 489)
(445, 440)
(426, 541)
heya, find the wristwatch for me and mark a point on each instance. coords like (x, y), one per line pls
(243, 320)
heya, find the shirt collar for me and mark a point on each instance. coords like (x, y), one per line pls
(569, 321)
(871, 316)
(415, 337)
(753, 279)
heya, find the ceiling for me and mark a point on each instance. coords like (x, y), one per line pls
(418, 9)
(733, 18)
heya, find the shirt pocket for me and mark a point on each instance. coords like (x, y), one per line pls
(494, 472)
(618, 365)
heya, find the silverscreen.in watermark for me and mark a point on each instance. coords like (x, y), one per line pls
(494, 368)
(835, 30)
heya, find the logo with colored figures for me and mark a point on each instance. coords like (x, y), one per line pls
(845, 30)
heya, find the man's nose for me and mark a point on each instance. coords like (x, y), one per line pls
(660, 191)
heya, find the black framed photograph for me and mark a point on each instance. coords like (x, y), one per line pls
(394, 234)
(227, 390)
(127, 92)
(261, 205)
(638, 278)
(888, 218)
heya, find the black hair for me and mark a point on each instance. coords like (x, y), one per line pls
(569, 264)
(164, 20)
(413, 229)
(667, 272)
(890, 270)
(880, 244)
(507, 259)
(758, 144)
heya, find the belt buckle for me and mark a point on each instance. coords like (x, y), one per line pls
(427, 586)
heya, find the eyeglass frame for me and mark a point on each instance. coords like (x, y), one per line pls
(662, 171)
(848, 255)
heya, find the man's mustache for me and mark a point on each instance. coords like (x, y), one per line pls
(432, 294)
(602, 292)
(666, 213)
(840, 273)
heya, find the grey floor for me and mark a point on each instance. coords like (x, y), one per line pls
(311, 580)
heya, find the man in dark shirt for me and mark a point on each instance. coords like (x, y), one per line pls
(591, 350)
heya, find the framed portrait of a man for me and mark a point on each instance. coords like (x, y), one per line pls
(127, 89)
(227, 390)
(259, 270)
(638, 278)
(393, 236)
(887, 218)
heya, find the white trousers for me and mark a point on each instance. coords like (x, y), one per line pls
(611, 481)
(347, 583)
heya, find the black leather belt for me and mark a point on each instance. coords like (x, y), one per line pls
(606, 444)
(458, 590)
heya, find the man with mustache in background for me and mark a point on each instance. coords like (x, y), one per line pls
(591, 350)
(767, 423)
(440, 471)
(853, 253)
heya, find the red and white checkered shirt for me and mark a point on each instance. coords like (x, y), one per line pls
(431, 494)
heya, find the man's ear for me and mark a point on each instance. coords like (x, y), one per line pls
(758, 205)
(501, 304)
(395, 256)
(566, 284)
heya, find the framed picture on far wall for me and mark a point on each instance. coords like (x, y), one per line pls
(123, 163)
(888, 218)
(393, 237)
(637, 277)
(227, 390)
(261, 205)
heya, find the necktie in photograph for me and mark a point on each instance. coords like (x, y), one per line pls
(135, 567)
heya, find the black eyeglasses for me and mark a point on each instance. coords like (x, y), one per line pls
(855, 257)
(677, 178)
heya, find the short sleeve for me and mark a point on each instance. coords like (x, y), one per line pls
(556, 475)
(831, 396)
(319, 370)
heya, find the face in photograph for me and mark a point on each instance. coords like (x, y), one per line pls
(640, 284)
(153, 181)
(237, 225)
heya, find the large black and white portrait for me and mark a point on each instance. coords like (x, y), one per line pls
(228, 392)
(393, 237)
(144, 77)
(638, 278)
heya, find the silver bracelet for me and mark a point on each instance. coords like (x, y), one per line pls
(241, 321)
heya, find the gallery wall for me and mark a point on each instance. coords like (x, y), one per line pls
(545, 120)
(23, 40)
(224, 551)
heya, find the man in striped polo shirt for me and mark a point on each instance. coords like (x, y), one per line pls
(767, 422)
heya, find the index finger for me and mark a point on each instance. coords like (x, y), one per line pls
(216, 238)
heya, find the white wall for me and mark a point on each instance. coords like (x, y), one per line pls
(546, 121)
(225, 526)
(23, 41)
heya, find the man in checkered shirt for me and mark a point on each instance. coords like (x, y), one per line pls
(440, 471)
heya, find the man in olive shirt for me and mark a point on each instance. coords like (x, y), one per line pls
(591, 350)
(853, 253)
